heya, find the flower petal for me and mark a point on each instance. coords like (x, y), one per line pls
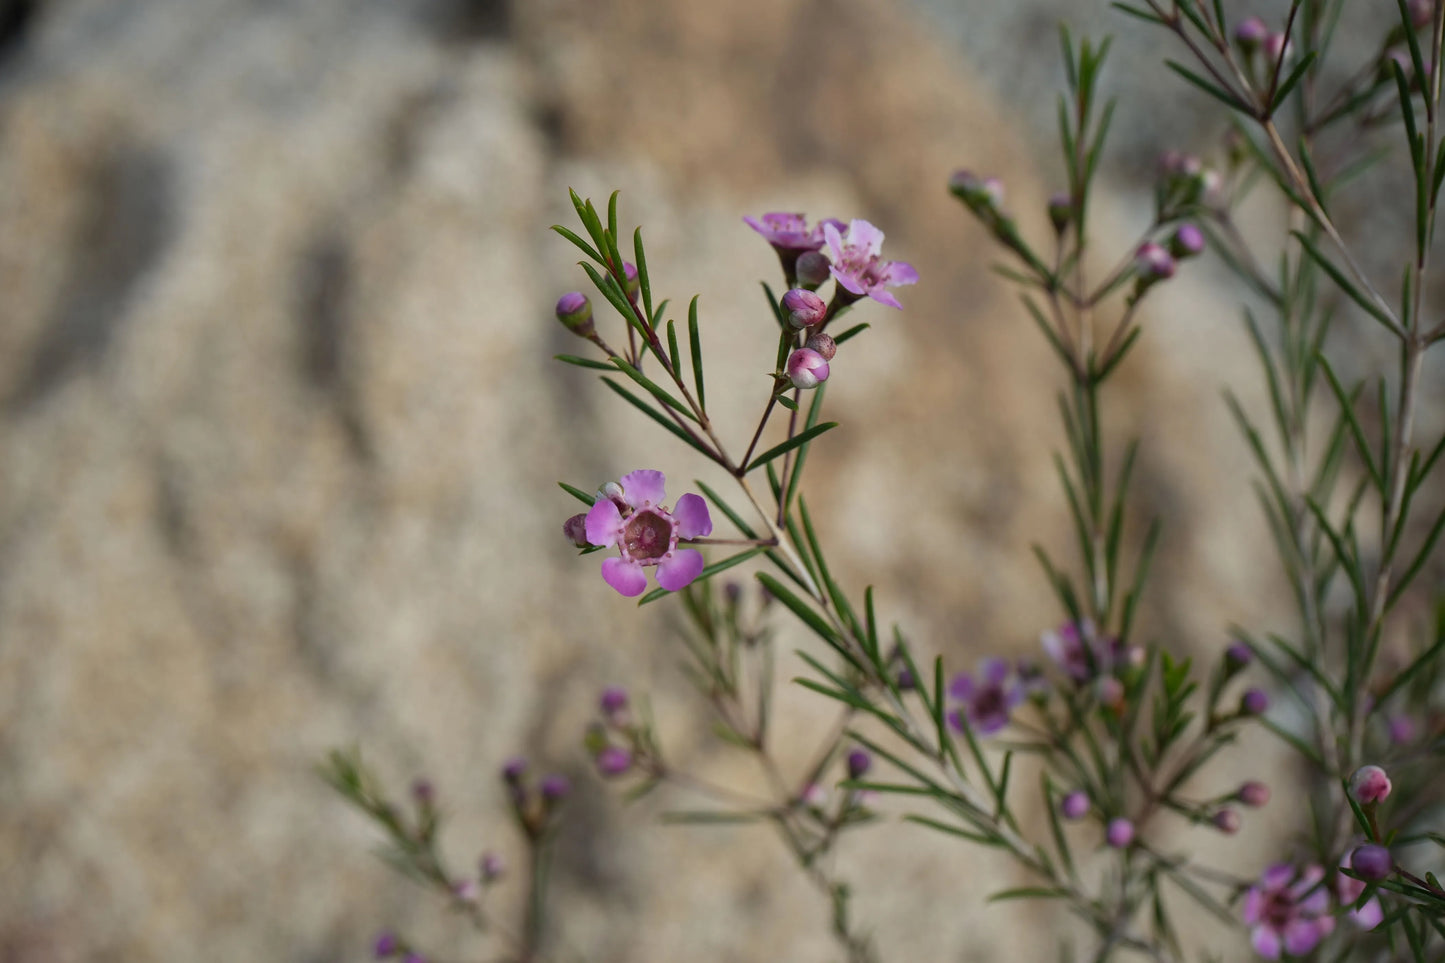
(604, 523)
(1369, 916)
(1300, 936)
(678, 569)
(864, 235)
(692, 517)
(961, 687)
(901, 272)
(847, 281)
(835, 243)
(644, 487)
(993, 670)
(883, 297)
(1266, 942)
(624, 575)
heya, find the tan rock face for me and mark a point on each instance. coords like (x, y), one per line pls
(280, 434)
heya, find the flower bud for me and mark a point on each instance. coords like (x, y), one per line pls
(1110, 692)
(906, 682)
(1372, 862)
(1187, 241)
(492, 867)
(575, 313)
(1422, 12)
(1369, 785)
(575, 529)
(1402, 729)
(804, 308)
(976, 192)
(1254, 702)
(633, 282)
(512, 772)
(614, 761)
(1075, 805)
(1236, 657)
(414, 958)
(466, 890)
(1253, 794)
(1250, 33)
(814, 796)
(1061, 210)
(1226, 821)
(1153, 263)
(1120, 833)
(733, 592)
(823, 344)
(807, 368)
(858, 763)
(555, 787)
(613, 700)
(386, 945)
(423, 792)
(1277, 47)
(812, 269)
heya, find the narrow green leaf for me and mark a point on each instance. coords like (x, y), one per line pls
(696, 346)
(582, 245)
(584, 362)
(708, 572)
(657, 391)
(643, 280)
(1286, 88)
(1225, 97)
(799, 439)
(857, 329)
(661, 419)
(579, 494)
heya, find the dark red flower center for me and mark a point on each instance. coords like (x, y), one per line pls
(647, 535)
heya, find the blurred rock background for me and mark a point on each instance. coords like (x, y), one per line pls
(279, 434)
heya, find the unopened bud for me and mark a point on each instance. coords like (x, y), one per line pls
(1250, 33)
(1254, 702)
(1372, 862)
(1237, 656)
(1075, 805)
(1226, 821)
(613, 701)
(812, 269)
(575, 528)
(1153, 262)
(1277, 47)
(555, 787)
(803, 308)
(1120, 833)
(807, 368)
(1369, 785)
(1187, 241)
(976, 191)
(1422, 12)
(386, 945)
(858, 763)
(614, 761)
(633, 283)
(514, 769)
(1061, 210)
(492, 867)
(1253, 794)
(823, 344)
(575, 313)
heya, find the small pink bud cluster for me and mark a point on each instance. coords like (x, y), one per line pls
(1186, 182)
(534, 812)
(984, 197)
(1370, 785)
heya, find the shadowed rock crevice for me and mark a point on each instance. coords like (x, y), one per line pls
(325, 316)
(120, 239)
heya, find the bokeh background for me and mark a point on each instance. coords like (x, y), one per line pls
(279, 437)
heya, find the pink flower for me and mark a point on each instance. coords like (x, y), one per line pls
(646, 533)
(807, 368)
(790, 232)
(857, 267)
(1077, 649)
(987, 698)
(1288, 910)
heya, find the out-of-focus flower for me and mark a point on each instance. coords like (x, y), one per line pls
(492, 867)
(1226, 821)
(1369, 785)
(1254, 702)
(1153, 262)
(1253, 794)
(859, 763)
(1186, 241)
(614, 761)
(1119, 833)
(555, 787)
(386, 945)
(1374, 863)
(1078, 650)
(987, 698)
(1074, 805)
(857, 266)
(1250, 33)
(1287, 911)
(648, 534)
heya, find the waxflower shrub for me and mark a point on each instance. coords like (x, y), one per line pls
(1128, 738)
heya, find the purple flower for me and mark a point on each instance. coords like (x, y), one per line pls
(1120, 833)
(555, 787)
(1075, 805)
(857, 267)
(386, 945)
(1076, 648)
(807, 368)
(988, 699)
(1373, 862)
(790, 231)
(613, 700)
(614, 761)
(1288, 910)
(648, 534)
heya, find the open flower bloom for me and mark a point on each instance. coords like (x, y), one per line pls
(987, 698)
(1288, 911)
(857, 267)
(1077, 649)
(790, 231)
(646, 533)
